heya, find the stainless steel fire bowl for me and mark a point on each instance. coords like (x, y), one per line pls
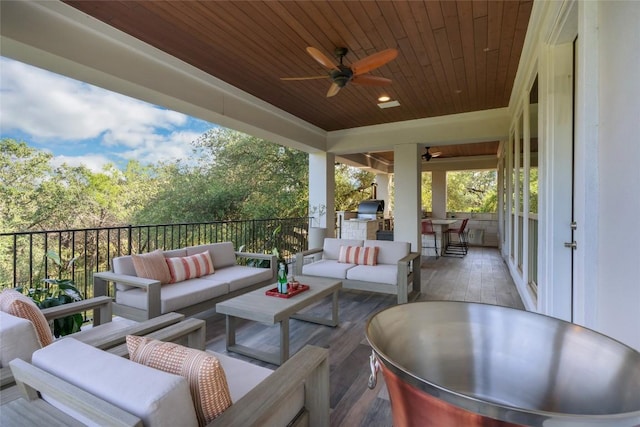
(504, 364)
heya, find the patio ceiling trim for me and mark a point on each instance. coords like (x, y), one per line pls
(57, 37)
(477, 126)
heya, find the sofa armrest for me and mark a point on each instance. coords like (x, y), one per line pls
(31, 381)
(273, 260)
(300, 256)
(106, 339)
(101, 306)
(152, 287)
(408, 272)
(189, 332)
(310, 368)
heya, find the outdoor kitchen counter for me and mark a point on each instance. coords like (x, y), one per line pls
(361, 229)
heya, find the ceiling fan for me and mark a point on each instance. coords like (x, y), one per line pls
(428, 156)
(341, 74)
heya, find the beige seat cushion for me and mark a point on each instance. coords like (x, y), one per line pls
(158, 398)
(16, 304)
(327, 268)
(240, 276)
(203, 371)
(177, 296)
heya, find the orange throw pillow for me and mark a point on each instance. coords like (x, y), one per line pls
(152, 266)
(203, 371)
(14, 303)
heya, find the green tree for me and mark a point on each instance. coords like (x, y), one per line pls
(472, 191)
(427, 193)
(353, 185)
(22, 169)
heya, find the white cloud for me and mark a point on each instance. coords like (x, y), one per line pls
(56, 112)
(94, 162)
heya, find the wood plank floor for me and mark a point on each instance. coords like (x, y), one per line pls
(481, 276)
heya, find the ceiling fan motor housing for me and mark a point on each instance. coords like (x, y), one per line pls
(341, 76)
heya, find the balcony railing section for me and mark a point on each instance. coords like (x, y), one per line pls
(23, 261)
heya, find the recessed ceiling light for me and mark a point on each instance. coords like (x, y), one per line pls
(389, 104)
(384, 98)
(486, 49)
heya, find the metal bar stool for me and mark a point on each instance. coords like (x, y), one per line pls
(427, 230)
(461, 246)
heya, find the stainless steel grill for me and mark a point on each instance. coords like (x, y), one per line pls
(371, 209)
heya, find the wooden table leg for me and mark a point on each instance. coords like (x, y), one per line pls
(284, 340)
(335, 317)
(231, 331)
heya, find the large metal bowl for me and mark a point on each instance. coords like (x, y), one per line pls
(513, 366)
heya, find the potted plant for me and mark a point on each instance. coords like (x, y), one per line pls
(273, 242)
(56, 292)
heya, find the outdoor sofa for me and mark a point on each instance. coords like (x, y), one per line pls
(102, 389)
(24, 332)
(139, 297)
(390, 269)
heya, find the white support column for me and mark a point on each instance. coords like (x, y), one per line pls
(439, 194)
(383, 191)
(408, 182)
(321, 197)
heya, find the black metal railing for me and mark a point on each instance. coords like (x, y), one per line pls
(23, 261)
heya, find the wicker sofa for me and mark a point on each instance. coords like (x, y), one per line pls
(396, 270)
(140, 298)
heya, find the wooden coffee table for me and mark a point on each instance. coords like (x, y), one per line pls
(258, 307)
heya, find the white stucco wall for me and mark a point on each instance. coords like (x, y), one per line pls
(618, 288)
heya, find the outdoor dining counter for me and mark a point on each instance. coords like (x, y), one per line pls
(440, 226)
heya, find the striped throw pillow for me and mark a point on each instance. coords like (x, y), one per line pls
(361, 255)
(203, 371)
(14, 303)
(152, 266)
(189, 267)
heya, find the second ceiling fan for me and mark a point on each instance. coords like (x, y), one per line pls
(340, 74)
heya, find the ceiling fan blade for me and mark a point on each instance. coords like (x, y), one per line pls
(436, 154)
(321, 58)
(374, 61)
(303, 78)
(333, 90)
(369, 80)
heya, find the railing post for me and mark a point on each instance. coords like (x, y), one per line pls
(130, 234)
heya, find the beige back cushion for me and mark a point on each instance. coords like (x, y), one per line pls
(390, 252)
(222, 254)
(18, 339)
(16, 304)
(331, 247)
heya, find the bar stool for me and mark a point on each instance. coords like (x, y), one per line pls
(461, 247)
(427, 230)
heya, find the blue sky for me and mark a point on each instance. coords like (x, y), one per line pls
(83, 124)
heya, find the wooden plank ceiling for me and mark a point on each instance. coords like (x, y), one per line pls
(454, 56)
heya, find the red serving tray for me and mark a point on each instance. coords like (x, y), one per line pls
(274, 292)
